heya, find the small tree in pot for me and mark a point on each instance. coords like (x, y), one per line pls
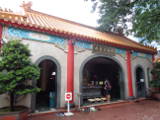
(17, 71)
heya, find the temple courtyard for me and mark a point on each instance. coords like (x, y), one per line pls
(137, 110)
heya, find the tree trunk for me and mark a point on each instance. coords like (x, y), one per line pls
(12, 101)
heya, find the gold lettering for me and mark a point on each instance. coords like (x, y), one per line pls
(103, 49)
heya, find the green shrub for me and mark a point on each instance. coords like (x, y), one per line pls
(16, 71)
(155, 83)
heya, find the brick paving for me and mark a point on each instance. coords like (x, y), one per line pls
(143, 110)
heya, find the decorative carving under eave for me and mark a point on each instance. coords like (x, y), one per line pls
(63, 47)
(141, 57)
(79, 50)
(122, 55)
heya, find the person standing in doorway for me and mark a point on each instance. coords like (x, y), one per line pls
(107, 89)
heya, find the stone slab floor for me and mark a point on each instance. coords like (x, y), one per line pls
(142, 110)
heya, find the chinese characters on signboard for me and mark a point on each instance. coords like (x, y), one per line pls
(103, 49)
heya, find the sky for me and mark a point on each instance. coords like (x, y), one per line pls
(74, 10)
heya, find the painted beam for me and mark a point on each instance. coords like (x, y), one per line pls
(75, 36)
(129, 71)
(70, 69)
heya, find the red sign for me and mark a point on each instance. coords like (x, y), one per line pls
(68, 96)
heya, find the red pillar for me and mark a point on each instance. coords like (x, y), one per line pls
(70, 68)
(129, 71)
(1, 35)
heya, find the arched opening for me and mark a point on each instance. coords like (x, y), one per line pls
(47, 98)
(140, 82)
(94, 73)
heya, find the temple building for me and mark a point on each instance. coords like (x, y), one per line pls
(77, 58)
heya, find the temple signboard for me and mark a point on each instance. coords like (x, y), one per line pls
(103, 49)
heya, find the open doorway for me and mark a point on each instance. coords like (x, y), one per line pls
(95, 72)
(140, 82)
(46, 99)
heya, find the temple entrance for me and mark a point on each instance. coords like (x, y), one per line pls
(95, 72)
(47, 98)
(140, 82)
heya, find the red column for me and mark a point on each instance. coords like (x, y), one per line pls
(70, 68)
(1, 35)
(129, 71)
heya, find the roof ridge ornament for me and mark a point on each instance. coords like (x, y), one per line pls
(26, 5)
(6, 10)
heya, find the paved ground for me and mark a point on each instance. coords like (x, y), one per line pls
(144, 110)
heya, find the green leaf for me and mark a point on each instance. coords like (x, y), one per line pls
(17, 69)
(144, 15)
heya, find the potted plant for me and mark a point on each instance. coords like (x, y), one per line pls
(16, 76)
(155, 83)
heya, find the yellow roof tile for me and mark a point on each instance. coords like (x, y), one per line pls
(43, 21)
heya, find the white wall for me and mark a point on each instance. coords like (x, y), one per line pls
(40, 49)
(144, 63)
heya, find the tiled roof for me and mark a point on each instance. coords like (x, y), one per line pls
(38, 20)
